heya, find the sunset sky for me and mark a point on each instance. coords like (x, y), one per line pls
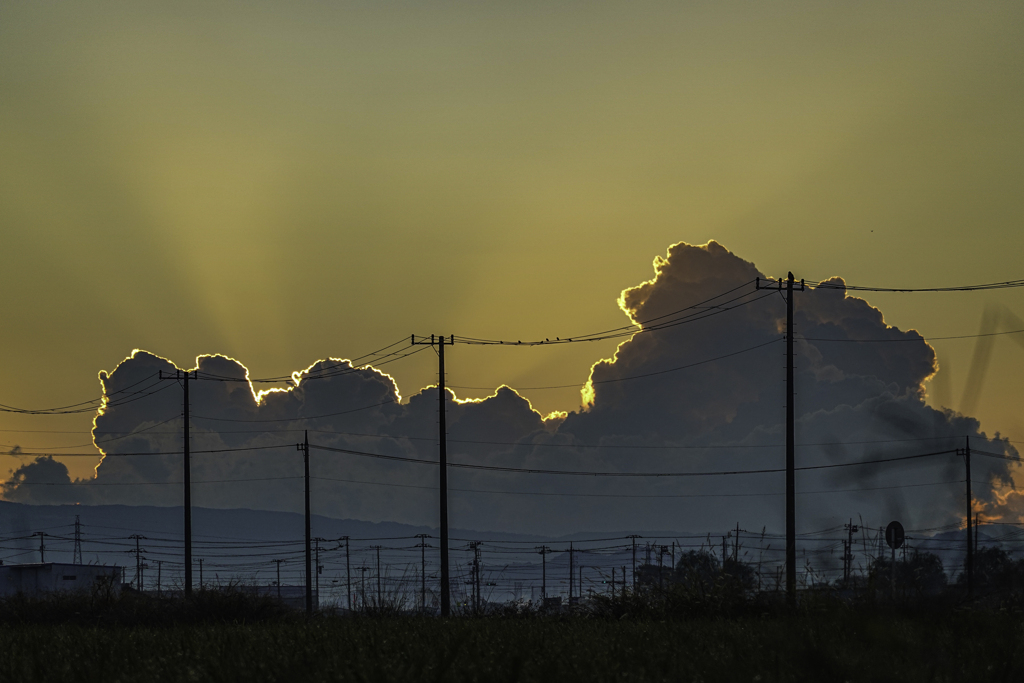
(286, 182)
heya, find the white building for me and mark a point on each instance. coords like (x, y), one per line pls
(49, 577)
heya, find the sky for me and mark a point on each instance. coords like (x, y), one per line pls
(283, 183)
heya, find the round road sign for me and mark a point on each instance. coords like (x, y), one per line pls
(894, 535)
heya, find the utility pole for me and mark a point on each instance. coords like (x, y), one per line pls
(42, 546)
(975, 534)
(278, 563)
(304, 447)
(475, 575)
(159, 572)
(633, 537)
(543, 550)
(570, 572)
(736, 545)
(138, 561)
(790, 443)
(380, 593)
(348, 573)
(851, 529)
(76, 557)
(423, 571)
(200, 573)
(443, 462)
(187, 473)
(970, 514)
(319, 568)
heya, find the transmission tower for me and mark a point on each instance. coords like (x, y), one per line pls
(76, 558)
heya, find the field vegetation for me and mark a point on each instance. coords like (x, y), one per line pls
(705, 624)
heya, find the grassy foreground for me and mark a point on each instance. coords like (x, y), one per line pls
(844, 645)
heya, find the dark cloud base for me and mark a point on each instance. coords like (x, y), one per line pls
(725, 415)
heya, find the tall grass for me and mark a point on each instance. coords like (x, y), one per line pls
(847, 645)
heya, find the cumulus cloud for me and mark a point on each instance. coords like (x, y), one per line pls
(26, 483)
(647, 409)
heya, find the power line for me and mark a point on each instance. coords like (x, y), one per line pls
(909, 339)
(620, 328)
(492, 443)
(523, 470)
(127, 435)
(345, 367)
(103, 402)
(137, 453)
(89, 482)
(38, 411)
(648, 374)
(629, 330)
(638, 495)
(1009, 284)
(296, 419)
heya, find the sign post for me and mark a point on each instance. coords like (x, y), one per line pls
(894, 536)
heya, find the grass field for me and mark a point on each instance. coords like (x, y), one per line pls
(834, 645)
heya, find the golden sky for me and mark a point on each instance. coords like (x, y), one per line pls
(282, 182)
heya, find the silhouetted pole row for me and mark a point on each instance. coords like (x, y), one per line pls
(187, 472)
(442, 442)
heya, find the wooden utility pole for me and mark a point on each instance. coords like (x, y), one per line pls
(790, 442)
(42, 547)
(316, 568)
(970, 514)
(633, 537)
(570, 572)
(278, 563)
(380, 592)
(304, 447)
(442, 444)
(138, 560)
(187, 471)
(348, 574)
(543, 550)
(851, 529)
(423, 570)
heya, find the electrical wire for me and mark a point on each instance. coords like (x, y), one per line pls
(635, 328)
(523, 470)
(648, 374)
(1009, 284)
